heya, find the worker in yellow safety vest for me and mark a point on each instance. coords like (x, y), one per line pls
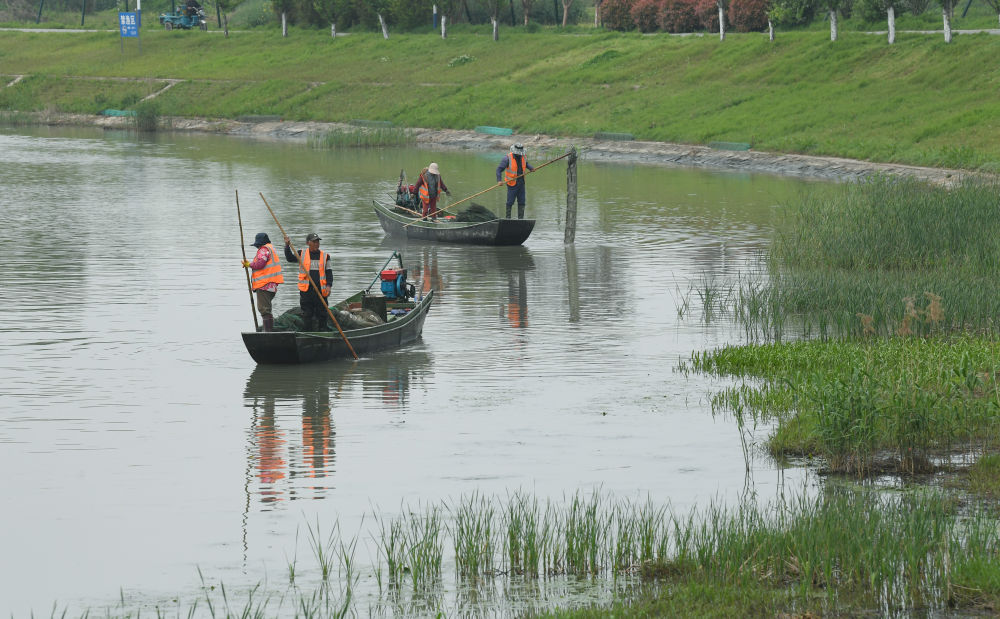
(314, 264)
(266, 276)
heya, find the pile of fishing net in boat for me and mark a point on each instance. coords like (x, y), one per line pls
(292, 320)
(475, 213)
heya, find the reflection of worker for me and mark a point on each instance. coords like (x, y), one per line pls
(266, 277)
(271, 463)
(191, 8)
(314, 264)
(512, 169)
(430, 279)
(429, 186)
(517, 299)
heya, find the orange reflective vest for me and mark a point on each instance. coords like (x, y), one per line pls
(514, 169)
(425, 192)
(270, 273)
(304, 260)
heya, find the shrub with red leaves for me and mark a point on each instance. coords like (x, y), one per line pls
(617, 14)
(679, 16)
(645, 14)
(748, 15)
(707, 14)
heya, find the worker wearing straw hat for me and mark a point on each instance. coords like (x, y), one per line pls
(429, 186)
(512, 168)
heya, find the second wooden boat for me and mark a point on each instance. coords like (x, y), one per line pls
(400, 222)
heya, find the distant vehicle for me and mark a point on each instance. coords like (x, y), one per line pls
(187, 19)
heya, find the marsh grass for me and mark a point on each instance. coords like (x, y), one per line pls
(866, 406)
(882, 257)
(842, 551)
(474, 538)
(365, 138)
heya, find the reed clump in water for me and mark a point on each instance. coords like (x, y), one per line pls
(868, 258)
(364, 138)
(870, 405)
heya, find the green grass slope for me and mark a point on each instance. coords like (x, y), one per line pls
(920, 101)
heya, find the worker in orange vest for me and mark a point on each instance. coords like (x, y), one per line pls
(266, 276)
(314, 264)
(512, 169)
(429, 186)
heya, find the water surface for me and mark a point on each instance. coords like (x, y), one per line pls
(140, 442)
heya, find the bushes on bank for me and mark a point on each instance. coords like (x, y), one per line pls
(679, 16)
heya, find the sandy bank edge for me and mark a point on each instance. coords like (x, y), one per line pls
(543, 146)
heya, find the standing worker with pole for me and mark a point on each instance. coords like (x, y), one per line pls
(266, 276)
(315, 273)
(512, 168)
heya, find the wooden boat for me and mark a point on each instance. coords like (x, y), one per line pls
(306, 347)
(401, 222)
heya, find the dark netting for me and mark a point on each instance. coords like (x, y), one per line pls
(476, 212)
(292, 320)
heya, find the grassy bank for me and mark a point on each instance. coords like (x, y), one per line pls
(920, 101)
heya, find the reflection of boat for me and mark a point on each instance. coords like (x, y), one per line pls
(305, 347)
(399, 222)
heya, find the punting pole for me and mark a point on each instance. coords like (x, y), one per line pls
(253, 308)
(313, 284)
(492, 187)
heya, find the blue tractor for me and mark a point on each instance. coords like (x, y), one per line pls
(191, 16)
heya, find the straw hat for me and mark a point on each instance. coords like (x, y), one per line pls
(433, 168)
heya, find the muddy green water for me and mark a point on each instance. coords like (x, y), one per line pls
(140, 443)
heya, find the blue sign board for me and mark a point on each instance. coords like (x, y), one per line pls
(129, 24)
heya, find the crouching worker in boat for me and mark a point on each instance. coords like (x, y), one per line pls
(513, 167)
(429, 186)
(313, 263)
(266, 276)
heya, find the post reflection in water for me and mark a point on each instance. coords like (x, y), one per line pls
(572, 283)
(281, 453)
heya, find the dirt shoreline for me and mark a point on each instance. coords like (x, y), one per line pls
(590, 149)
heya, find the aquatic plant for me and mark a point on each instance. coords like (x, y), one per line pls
(364, 138)
(865, 405)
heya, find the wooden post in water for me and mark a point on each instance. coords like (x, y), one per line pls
(570, 197)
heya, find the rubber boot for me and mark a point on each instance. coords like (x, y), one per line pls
(268, 324)
(508, 210)
(520, 211)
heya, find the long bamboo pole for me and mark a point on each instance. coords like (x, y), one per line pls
(253, 307)
(311, 282)
(491, 188)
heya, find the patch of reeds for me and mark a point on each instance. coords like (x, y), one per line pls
(474, 537)
(883, 257)
(364, 137)
(865, 406)
(843, 550)
(147, 116)
(413, 544)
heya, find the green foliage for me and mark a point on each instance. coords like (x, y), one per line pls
(865, 406)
